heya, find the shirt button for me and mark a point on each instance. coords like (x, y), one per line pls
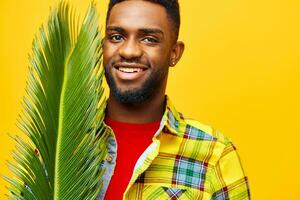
(109, 158)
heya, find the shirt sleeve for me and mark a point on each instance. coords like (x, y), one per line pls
(228, 181)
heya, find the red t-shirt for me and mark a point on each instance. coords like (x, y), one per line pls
(132, 141)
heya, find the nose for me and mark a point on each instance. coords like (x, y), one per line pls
(130, 49)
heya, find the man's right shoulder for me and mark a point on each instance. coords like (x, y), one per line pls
(208, 130)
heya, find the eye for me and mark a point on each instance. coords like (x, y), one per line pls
(116, 38)
(150, 40)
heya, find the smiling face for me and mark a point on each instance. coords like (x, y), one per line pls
(138, 50)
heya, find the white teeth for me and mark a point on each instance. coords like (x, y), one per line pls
(130, 70)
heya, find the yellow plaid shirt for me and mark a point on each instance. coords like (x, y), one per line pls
(186, 160)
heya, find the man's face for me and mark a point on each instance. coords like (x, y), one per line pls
(136, 51)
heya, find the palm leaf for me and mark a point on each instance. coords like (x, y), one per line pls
(63, 112)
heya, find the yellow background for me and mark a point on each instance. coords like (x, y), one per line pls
(239, 73)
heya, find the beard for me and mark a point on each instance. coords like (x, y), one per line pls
(137, 95)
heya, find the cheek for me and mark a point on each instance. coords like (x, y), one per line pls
(161, 59)
(105, 57)
(159, 56)
(108, 53)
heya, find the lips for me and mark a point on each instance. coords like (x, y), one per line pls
(130, 71)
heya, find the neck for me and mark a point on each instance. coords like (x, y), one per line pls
(148, 111)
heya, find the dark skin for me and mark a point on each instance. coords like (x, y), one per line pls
(139, 34)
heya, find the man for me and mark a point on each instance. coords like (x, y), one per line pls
(153, 152)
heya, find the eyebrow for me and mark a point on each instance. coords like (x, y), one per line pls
(151, 31)
(115, 28)
(141, 30)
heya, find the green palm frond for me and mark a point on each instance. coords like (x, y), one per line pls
(63, 112)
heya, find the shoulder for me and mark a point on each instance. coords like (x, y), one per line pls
(210, 143)
(207, 131)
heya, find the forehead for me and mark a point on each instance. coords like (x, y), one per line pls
(135, 14)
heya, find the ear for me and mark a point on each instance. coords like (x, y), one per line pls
(176, 53)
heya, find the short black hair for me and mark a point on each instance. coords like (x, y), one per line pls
(171, 6)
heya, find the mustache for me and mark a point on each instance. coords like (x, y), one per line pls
(134, 61)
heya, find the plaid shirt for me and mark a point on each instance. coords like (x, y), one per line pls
(186, 160)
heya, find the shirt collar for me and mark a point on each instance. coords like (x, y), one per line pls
(172, 120)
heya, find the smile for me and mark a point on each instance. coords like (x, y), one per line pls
(130, 70)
